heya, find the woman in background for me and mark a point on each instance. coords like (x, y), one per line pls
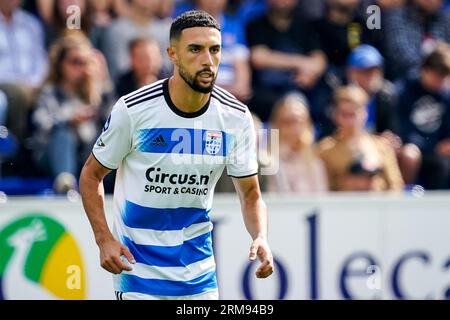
(300, 169)
(68, 109)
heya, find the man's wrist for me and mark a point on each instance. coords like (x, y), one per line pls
(260, 236)
(103, 237)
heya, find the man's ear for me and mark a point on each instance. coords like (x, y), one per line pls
(171, 52)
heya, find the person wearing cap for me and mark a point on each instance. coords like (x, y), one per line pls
(355, 159)
(365, 68)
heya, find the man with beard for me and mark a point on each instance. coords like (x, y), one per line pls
(178, 134)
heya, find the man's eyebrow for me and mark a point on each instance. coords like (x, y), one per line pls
(194, 45)
(198, 46)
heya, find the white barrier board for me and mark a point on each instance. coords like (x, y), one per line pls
(326, 247)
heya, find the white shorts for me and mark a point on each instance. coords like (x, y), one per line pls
(208, 295)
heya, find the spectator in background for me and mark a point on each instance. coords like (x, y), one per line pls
(95, 18)
(102, 16)
(23, 62)
(67, 110)
(103, 12)
(341, 29)
(410, 30)
(424, 117)
(141, 22)
(234, 71)
(56, 21)
(166, 9)
(145, 57)
(365, 69)
(300, 171)
(355, 159)
(284, 53)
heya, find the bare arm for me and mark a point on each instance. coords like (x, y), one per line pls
(309, 68)
(92, 193)
(255, 218)
(263, 57)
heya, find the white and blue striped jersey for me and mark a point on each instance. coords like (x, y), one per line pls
(168, 163)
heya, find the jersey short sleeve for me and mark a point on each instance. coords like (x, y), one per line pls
(115, 141)
(242, 158)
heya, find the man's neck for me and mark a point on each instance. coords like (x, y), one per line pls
(340, 18)
(184, 98)
(350, 134)
(281, 22)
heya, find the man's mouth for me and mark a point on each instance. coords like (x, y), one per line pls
(206, 76)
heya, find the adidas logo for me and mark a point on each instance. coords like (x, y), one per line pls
(159, 141)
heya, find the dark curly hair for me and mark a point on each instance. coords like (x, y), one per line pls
(192, 19)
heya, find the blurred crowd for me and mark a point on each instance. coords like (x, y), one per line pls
(359, 94)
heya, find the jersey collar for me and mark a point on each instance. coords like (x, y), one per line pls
(178, 111)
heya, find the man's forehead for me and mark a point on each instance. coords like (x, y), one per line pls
(201, 35)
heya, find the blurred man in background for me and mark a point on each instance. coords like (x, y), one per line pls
(424, 117)
(141, 22)
(23, 63)
(365, 69)
(285, 55)
(355, 159)
(146, 60)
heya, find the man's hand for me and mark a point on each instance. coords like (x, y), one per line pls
(110, 253)
(82, 115)
(260, 248)
(394, 140)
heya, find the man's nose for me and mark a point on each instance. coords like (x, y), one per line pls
(208, 59)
